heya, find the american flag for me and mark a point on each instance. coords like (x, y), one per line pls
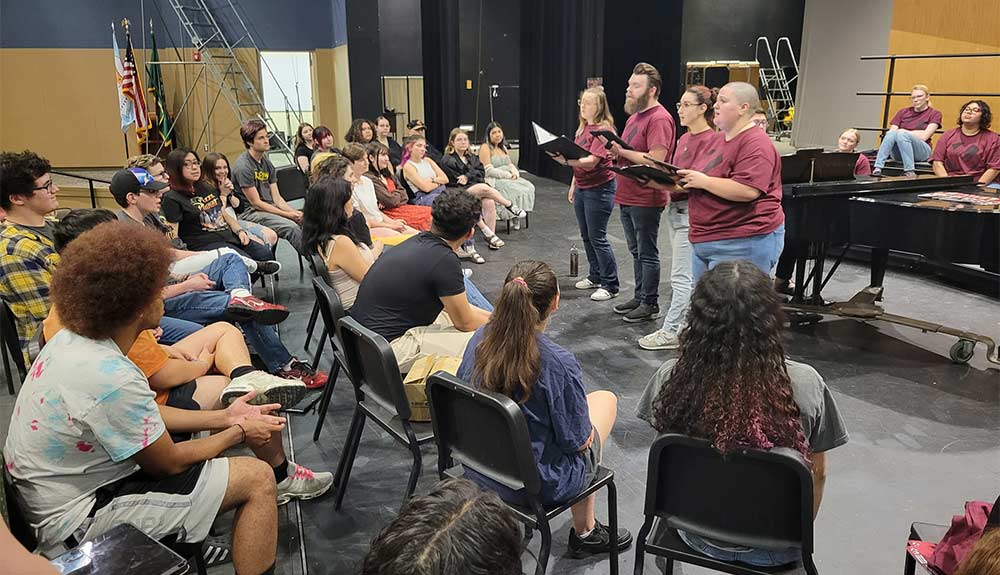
(132, 89)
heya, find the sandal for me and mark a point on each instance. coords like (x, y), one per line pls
(518, 212)
(474, 256)
(494, 242)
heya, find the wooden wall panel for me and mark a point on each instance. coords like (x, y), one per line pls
(331, 85)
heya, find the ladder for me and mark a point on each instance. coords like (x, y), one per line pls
(222, 64)
(776, 83)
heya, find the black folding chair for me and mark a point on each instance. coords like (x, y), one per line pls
(378, 390)
(487, 433)
(319, 270)
(748, 497)
(11, 346)
(330, 308)
(293, 184)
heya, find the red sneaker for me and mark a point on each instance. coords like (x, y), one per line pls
(250, 308)
(302, 371)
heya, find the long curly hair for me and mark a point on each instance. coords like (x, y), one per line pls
(730, 384)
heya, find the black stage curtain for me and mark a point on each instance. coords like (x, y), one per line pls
(442, 83)
(560, 48)
(364, 59)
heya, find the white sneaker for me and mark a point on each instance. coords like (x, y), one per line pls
(303, 483)
(585, 283)
(602, 294)
(658, 340)
(466, 272)
(269, 388)
(517, 223)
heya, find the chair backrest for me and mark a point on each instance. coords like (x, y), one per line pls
(292, 183)
(319, 267)
(482, 430)
(331, 310)
(372, 368)
(12, 514)
(749, 497)
(10, 338)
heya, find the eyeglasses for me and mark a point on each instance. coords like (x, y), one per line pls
(47, 186)
(974, 110)
(686, 105)
(191, 163)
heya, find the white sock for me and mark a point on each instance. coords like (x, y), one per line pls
(251, 264)
(240, 292)
(587, 534)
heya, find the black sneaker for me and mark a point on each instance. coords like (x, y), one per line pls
(599, 541)
(626, 306)
(268, 268)
(643, 312)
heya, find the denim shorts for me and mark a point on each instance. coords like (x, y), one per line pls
(592, 460)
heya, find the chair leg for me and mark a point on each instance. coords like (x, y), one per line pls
(526, 226)
(343, 474)
(640, 545)
(302, 269)
(199, 559)
(311, 325)
(909, 565)
(613, 525)
(411, 483)
(319, 348)
(324, 401)
(669, 566)
(6, 368)
(810, 567)
(546, 548)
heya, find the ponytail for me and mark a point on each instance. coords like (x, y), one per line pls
(507, 359)
(706, 96)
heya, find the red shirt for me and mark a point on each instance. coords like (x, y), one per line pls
(863, 167)
(750, 159)
(601, 173)
(689, 147)
(644, 131)
(968, 155)
(910, 119)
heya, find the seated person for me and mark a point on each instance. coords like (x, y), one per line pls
(417, 128)
(361, 132)
(382, 130)
(139, 195)
(403, 295)
(323, 142)
(87, 447)
(733, 386)
(27, 253)
(848, 142)
(364, 195)
(390, 194)
(456, 529)
(303, 146)
(255, 176)
(325, 231)
(568, 427)
(759, 119)
(195, 212)
(215, 172)
(336, 166)
(502, 174)
(971, 148)
(909, 135)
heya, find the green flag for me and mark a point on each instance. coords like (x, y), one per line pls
(156, 87)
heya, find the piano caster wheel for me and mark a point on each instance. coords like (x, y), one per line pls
(963, 350)
(797, 319)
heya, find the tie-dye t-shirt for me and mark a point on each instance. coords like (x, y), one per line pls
(83, 411)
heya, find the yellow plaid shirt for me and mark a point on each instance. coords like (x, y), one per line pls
(27, 260)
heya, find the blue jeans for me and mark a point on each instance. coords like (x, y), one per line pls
(749, 555)
(904, 146)
(762, 250)
(642, 229)
(681, 272)
(476, 297)
(175, 329)
(593, 208)
(427, 198)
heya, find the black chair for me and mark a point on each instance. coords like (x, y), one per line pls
(487, 432)
(330, 308)
(922, 532)
(318, 267)
(748, 497)
(10, 346)
(293, 184)
(378, 390)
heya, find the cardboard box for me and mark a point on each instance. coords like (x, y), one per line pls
(415, 383)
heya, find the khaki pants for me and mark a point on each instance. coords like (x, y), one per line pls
(441, 338)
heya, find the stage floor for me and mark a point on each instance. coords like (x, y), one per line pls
(924, 432)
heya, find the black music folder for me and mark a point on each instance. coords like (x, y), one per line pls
(551, 143)
(612, 137)
(640, 173)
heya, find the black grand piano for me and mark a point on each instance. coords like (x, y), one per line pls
(827, 211)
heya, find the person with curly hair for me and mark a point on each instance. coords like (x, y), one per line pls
(456, 529)
(361, 132)
(568, 427)
(87, 447)
(27, 253)
(971, 148)
(364, 199)
(732, 385)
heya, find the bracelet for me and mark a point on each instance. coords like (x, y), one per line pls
(244, 432)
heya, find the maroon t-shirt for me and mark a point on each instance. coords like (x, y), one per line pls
(644, 131)
(689, 146)
(968, 155)
(750, 159)
(863, 167)
(601, 173)
(910, 119)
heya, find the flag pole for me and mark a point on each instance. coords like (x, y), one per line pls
(125, 136)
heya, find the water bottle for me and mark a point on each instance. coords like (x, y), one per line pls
(574, 261)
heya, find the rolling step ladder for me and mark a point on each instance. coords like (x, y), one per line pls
(775, 82)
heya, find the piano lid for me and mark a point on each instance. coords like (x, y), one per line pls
(869, 185)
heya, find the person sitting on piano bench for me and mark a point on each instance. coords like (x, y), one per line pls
(971, 148)
(910, 133)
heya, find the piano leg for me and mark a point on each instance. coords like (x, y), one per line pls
(879, 259)
(817, 274)
(800, 276)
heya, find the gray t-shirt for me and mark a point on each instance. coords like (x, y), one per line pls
(249, 173)
(156, 222)
(821, 421)
(48, 229)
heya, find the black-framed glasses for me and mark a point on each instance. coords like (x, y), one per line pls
(686, 105)
(47, 186)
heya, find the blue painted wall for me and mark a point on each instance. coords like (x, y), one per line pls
(275, 25)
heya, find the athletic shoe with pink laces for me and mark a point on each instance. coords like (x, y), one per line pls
(303, 483)
(250, 308)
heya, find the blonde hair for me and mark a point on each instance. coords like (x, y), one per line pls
(923, 88)
(450, 148)
(145, 161)
(316, 160)
(603, 117)
(853, 132)
(745, 93)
